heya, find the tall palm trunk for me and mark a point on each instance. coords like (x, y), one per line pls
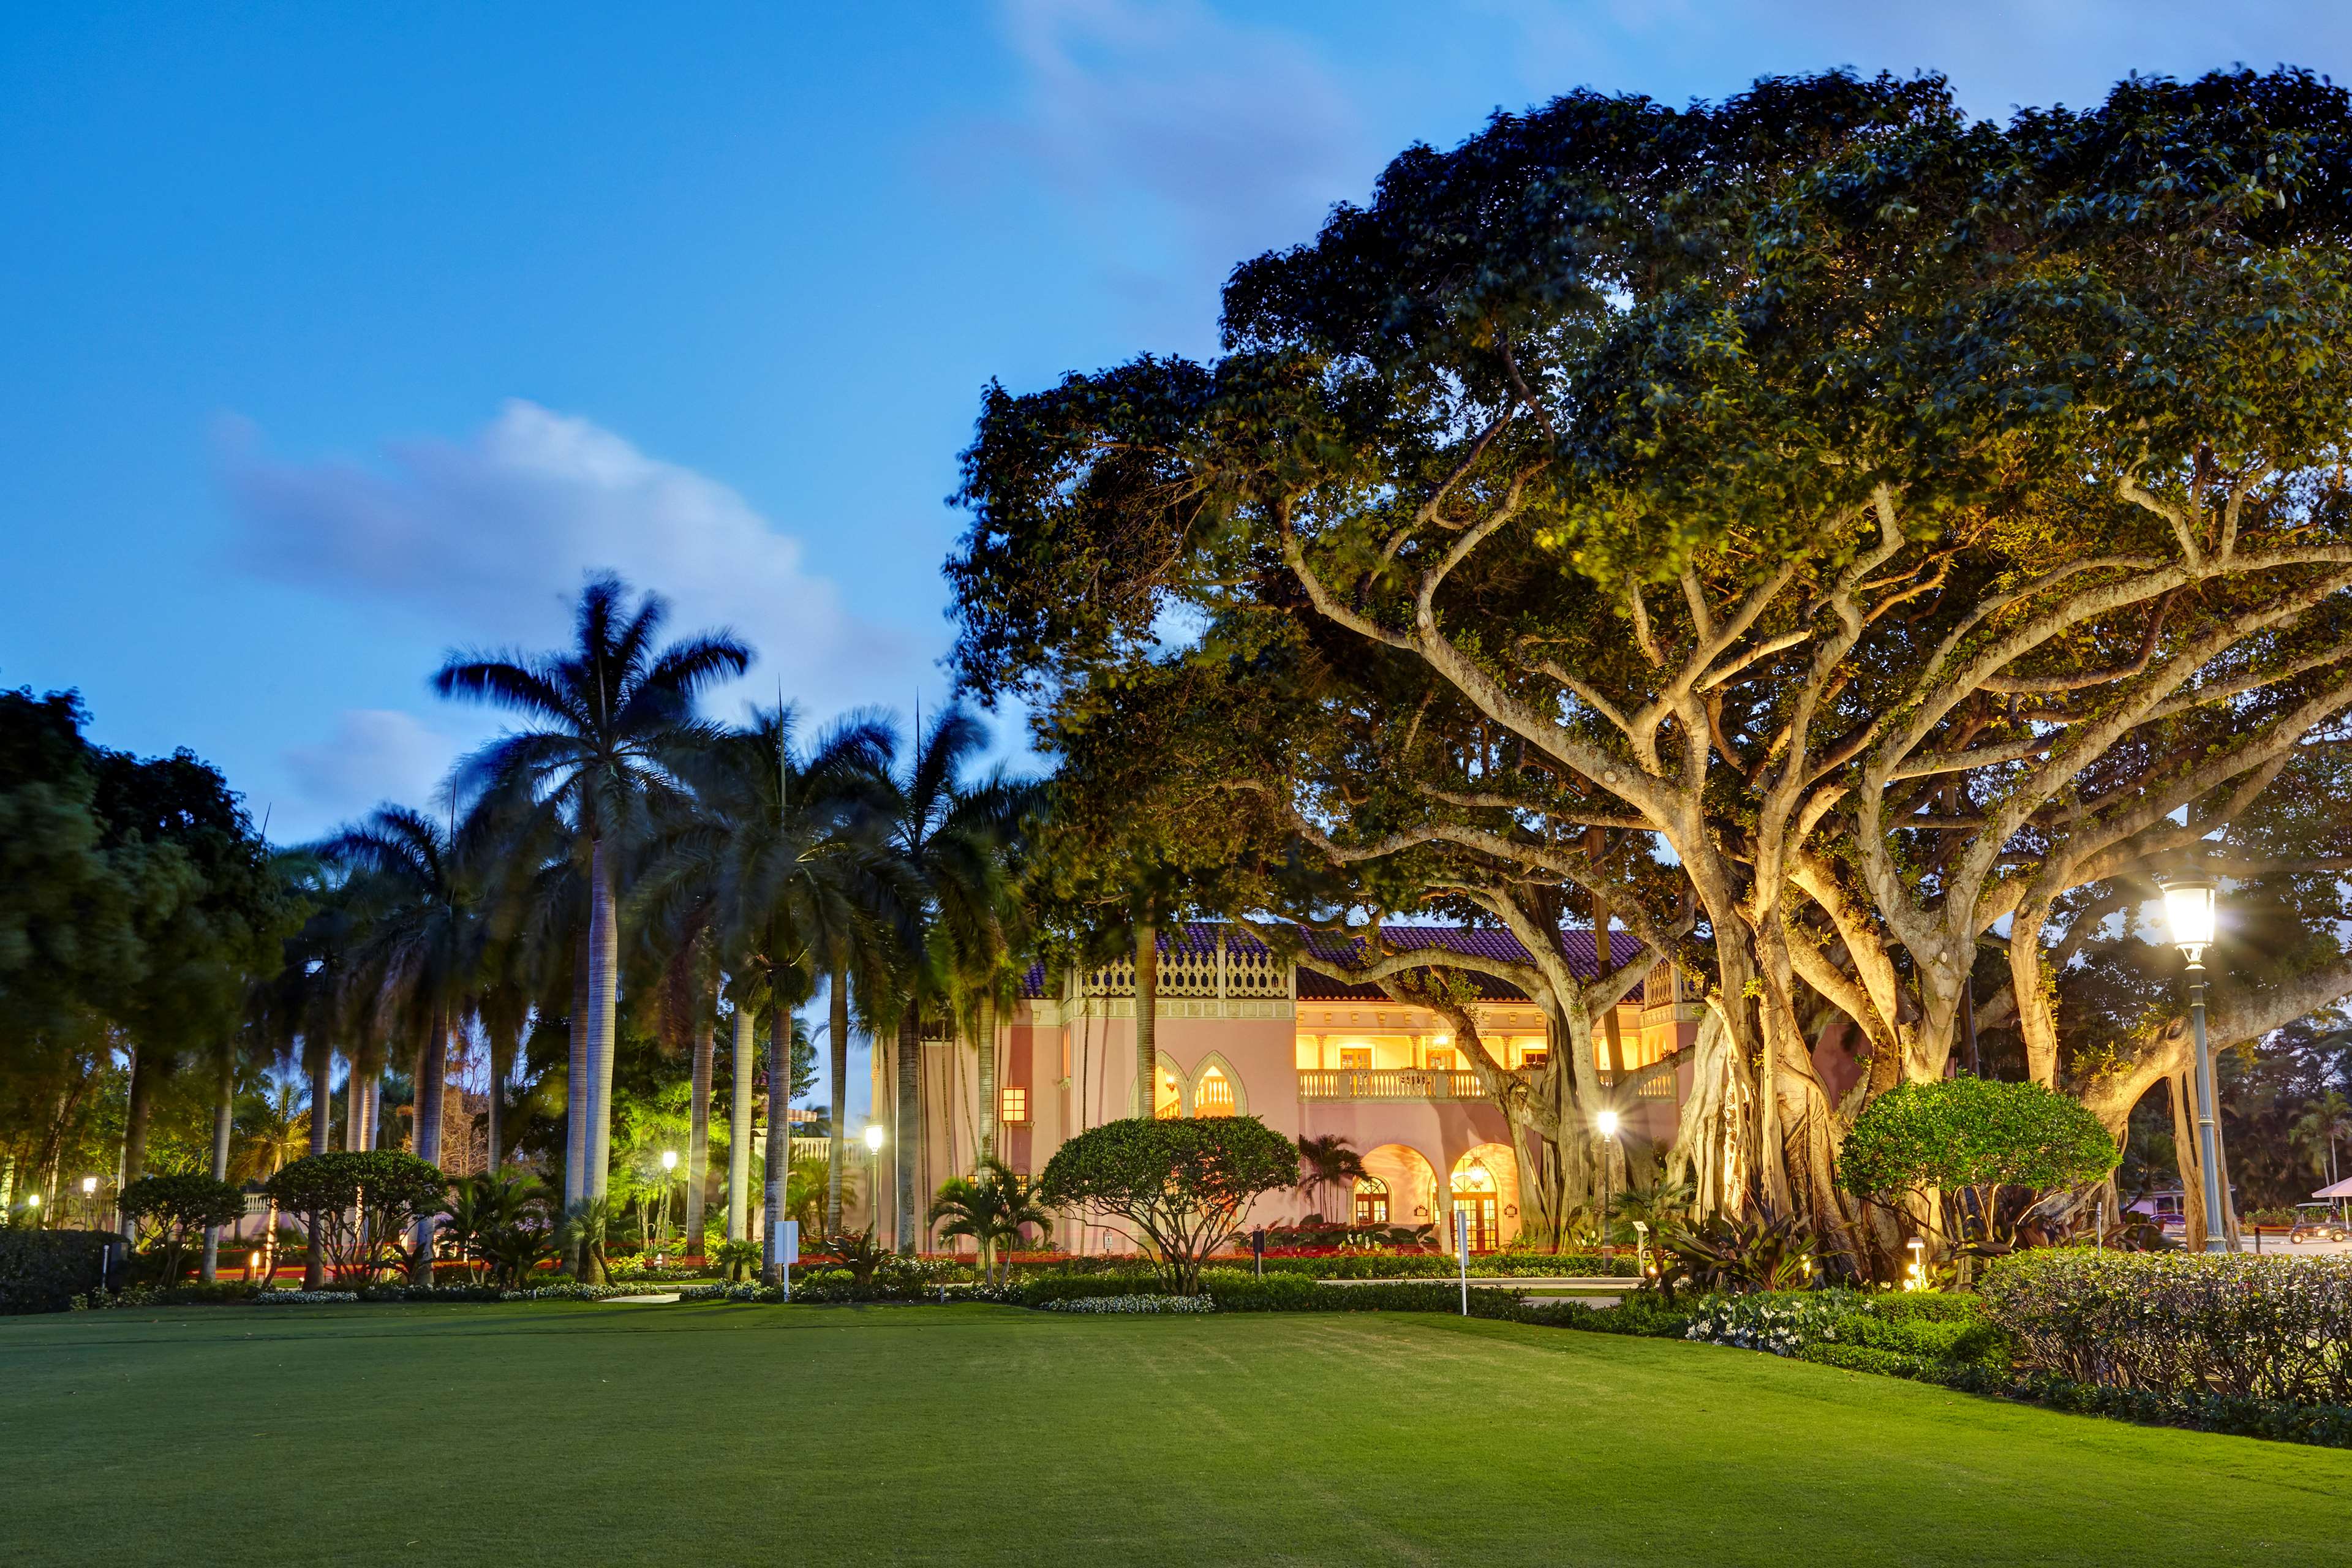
(780, 1140)
(322, 1105)
(354, 1109)
(739, 1133)
(224, 1116)
(576, 1090)
(134, 1126)
(1147, 1019)
(698, 1136)
(990, 1109)
(604, 999)
(908, 1120)
(432, 1077)
(836, 1122)
(313, 1271)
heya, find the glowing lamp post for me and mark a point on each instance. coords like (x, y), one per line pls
(669, 1176)
(90, 1202)
(2188, 910)
(1607, 1122)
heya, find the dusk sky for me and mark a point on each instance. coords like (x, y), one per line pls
(336, 336)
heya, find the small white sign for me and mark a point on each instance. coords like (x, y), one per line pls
(787, 1251)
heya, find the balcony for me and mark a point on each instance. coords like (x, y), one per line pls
(1430, 1083)
(1387, 1083)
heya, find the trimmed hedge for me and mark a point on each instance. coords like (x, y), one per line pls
(43, 1271)
(2274, 1328)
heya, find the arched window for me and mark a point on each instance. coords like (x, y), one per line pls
(1169, 1102)
(1212, 1095)
(1372, 1201)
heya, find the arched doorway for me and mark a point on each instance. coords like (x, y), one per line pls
(1484, 1191)
(1212, 1093)
(1399, 1174)
(1372, 1201)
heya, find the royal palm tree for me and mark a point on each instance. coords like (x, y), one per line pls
(779, 852)
(421, 958)
(305, 1011)
(612, 720)
(273, 1130)
(948, 835)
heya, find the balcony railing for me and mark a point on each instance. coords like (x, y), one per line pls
(1387, 1083)
(1427, 1083)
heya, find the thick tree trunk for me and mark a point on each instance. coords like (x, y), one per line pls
(780, 1140)
(224, 1118)
(575, 1083)
(698, 1134)
(991, 1113)
(739, 1132)
(906, 1124)
(837, 1115)
(2188, 1158)
(134, 1126)
(1147, 1019)
(604, 1001)
(323, 1106)
(432, 1075)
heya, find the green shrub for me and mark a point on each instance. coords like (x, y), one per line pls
(1039, 1289)
(1869, 1358)
(1181, 1184)
(1647, 1317)
(2268, 1327)
(43, 1271)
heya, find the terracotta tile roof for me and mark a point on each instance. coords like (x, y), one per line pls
(1199, 937)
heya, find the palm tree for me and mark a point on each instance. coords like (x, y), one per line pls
(949, 837)
(304, 1011)
(2317, 1131)
(779, 849)
(993, 1207)
(1324, 1162)
(613, 718)
(272, 1133)
(421, 958)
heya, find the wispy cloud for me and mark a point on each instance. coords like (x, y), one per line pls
(373, 754)
(487, 540)
(1179, 125)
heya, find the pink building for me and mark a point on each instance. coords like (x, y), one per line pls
(1242, 1032)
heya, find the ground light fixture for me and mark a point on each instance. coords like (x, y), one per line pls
(2188, 910)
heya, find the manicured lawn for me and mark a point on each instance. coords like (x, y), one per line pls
(617, 1434)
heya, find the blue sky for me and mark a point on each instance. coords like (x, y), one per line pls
(335, 336)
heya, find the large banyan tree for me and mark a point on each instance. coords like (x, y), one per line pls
(1856, 546)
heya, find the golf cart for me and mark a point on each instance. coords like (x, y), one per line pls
(2319, 1221)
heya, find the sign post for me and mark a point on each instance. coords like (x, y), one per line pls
(788, 1251)
(1462, 1247)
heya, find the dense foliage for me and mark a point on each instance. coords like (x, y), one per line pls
(360, 1205)
(1817, 528)
(1180, 1186)
(43, 1271)
(1975, 1137)
(2267, 1328)
(173, 1210)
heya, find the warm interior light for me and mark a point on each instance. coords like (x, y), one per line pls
(2188, 910)
(874, 1136)
(1607, 1122)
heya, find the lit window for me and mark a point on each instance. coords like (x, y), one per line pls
(1355, 1059)
(1441, 1061)
(1534, 1056)
(1017, 1105)
(1213, 1096)
(1170, 1101)
(1372, 1201)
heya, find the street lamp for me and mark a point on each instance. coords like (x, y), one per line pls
(2188, 910)
(669, 1173)
(90, 1202)
(1607, 1122)
(33, 1208)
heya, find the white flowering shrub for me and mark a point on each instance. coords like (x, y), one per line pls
(1132, 1304)
(1774, 1325)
